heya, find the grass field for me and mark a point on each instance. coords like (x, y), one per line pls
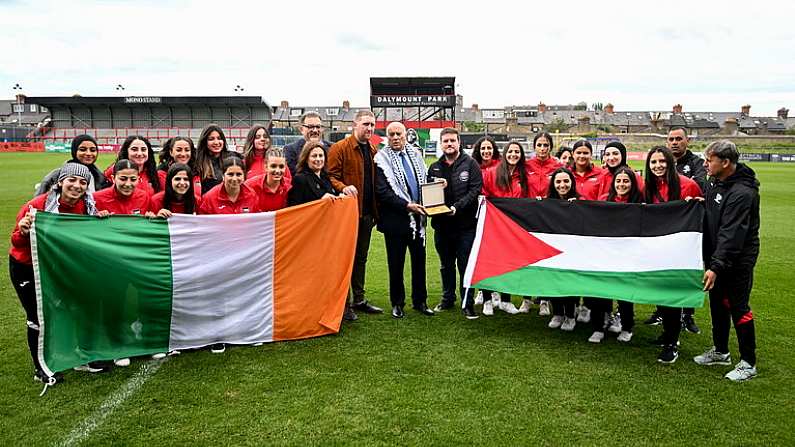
(504, 380)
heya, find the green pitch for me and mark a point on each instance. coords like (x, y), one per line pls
(504, 380)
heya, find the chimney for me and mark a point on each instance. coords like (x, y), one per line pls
(542, 107)
(677, 108)
(783, 113)
(346, 105)
(609, 108)
(475, 107)
(730, 126)
(745, 110)
(284, 104)
(21, 98)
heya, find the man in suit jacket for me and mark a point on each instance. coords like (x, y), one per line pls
(312, 131)
(351, 170)
(399, 172)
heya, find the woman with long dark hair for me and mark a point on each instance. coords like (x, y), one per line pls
(211, 151)
(126, 196)
(563, 186)
(179, 195)
(623, 189)
(258, 141)
(664, 184)
(311, 181)
(486, 152)
(84, 152)
(566, 157)
(508, 179)
(176, 150)
(138, 150)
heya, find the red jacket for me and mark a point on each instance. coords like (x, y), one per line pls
(545, 167)
(607, 180)
(268, 200)
(492, 189)
(217, 202)
(687, 187)
(143, 180)
(20, 243)
(588, 184)
(156, 203)
(488, 165)
(110, 200)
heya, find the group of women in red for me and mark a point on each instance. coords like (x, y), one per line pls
(206, 178)
(572, 175)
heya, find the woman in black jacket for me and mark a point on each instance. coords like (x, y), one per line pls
(312, 181)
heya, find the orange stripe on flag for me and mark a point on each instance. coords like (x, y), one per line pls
(312, 265)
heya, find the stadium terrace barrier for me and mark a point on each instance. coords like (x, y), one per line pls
(754, 157)
(21, 147)
(782, 158)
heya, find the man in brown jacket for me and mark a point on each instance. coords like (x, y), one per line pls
(352, 171)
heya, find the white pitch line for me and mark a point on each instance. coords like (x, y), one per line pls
(81, 432)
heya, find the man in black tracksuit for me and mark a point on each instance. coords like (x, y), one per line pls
(454, 233)
(691, 166)
(731, 248)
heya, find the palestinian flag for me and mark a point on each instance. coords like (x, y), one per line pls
(648, 254)
(128, 286)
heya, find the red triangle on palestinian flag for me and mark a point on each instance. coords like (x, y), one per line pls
(505, 246)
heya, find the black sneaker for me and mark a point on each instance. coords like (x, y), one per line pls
(443, 306)
(40, 376)
(668, 355)
(470, 313)
(689, 324)
(655, 319)
(660, 341)
(349, 314)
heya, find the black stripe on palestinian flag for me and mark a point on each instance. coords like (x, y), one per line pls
(604, 219)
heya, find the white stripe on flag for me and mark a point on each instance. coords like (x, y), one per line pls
(222, 279)
(678, 251)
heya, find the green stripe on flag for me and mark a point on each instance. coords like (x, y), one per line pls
(676, 288)
(103, 294)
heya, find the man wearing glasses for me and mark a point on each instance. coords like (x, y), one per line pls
(312, 130)
(351, 170)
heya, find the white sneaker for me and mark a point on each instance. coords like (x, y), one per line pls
(713, 357)
(174, 352)
(488, 308)
(584, 315)
(615, 324)
(741, 372)
(625, 336)
(158, 356)
(122, 362)
(543, 308)
(568, 324)
(508, 307)
(555, 322)
(596, 337)
(495, 299)
(525, 307)
(479, 298)
(257, 344)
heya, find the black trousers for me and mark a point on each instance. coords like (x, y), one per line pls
(627, 311)
(360, 258)
(453, 247)
(564, 306)
(672, 324)
(729, 303)
(396, 246)
(24, 284)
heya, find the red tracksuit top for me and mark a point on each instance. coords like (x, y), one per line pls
(607, 180)
(491, 189)
(268, 200)
(543, 167)
(143, 180)
(215, 201)
(257, 168)
(588, 183)
(20, 243)
(110, 200)
(687, 187)
(156, 203)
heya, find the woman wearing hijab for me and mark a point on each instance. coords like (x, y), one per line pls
(614, 157)
(84, 152)
(68, 195)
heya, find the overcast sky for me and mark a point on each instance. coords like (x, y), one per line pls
(708, 56)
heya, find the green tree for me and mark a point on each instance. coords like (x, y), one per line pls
(472, 126)
(557, 125)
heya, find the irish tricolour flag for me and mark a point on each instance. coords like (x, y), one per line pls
(640, 253)
(127, 286)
